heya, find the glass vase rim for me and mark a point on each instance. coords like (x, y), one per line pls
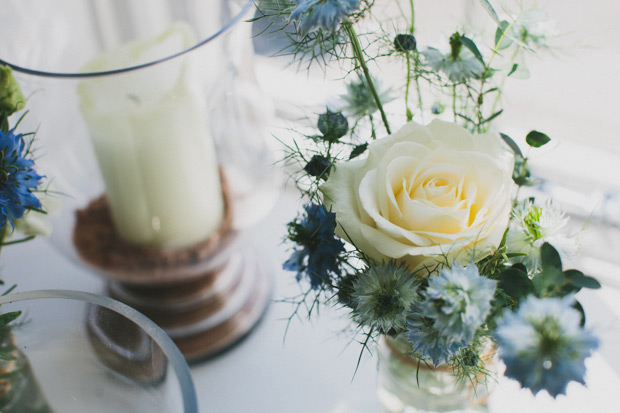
(172, 352)
(76, 75)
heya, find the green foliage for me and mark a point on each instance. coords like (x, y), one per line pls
(552, 281)
(537, 139)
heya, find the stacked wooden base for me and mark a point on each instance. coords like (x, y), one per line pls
(206, 297)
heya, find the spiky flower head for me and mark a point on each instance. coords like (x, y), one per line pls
(459, 64)
(325, 15)
(531, 226)
(543, 344)
(11, 96)
(455, 304)
(359, 101)
(383, 296)
(318, 248)
(17, 178)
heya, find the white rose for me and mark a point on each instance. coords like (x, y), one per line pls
(424, 195)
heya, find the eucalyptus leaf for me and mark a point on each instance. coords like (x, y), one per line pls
(515, 283)
(502, 40)
(489, 9)
(512, 144)
(513, 69)
(551, 275)
(469, 43)
(537, 139)
(579, 279)
(519, 72)
(550, 257)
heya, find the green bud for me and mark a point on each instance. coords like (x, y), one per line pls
(455, 45)
(333, 125)
(404, 42)
(11, 96)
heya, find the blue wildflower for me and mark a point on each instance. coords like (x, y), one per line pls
(319, 248)
(427, 342)
(455, 304)
(383, 296)
(17, 178)
(543, 344)
(326, 15)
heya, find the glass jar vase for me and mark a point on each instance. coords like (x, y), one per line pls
(406, 384)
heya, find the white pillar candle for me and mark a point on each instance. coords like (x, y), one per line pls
(149, 131)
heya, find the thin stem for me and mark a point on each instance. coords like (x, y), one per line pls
(412, 27)
(411, 32)
(454, 102)
(487, 69)
(359, 56)
(419, 89)
(2, 235)
(407, 110)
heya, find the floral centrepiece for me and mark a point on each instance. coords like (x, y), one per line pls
(424, 232)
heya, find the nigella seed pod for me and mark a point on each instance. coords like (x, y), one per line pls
(404, 42)
(318, 166)
(333, 125)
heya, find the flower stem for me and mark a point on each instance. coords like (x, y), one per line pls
(359, 56)
(407, 110)
(412, 27)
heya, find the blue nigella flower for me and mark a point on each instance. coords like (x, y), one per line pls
(383, 296)
(543, 344)
(311, 15)
(317, 254)
(454, 305)
(17, 178)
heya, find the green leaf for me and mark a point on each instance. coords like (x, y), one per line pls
(493, 116)
(469, 43)
(515, 283)
(502, 41)
(513, 69)
(577, 306)
(579, 279)
(536, 139)
(551, 275)
(7, 318)
(550, 257)
(489, 9)
(512, 144)
(358, 150)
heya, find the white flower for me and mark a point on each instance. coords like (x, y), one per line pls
(531, 226)
(433, 192)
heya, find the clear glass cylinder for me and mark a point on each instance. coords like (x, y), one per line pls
(81, 352)
(407, 385)
(152, 103)
(151, 131)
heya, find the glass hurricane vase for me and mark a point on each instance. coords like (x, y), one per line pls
(407, 385)
(150, 130)
(76, 352)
